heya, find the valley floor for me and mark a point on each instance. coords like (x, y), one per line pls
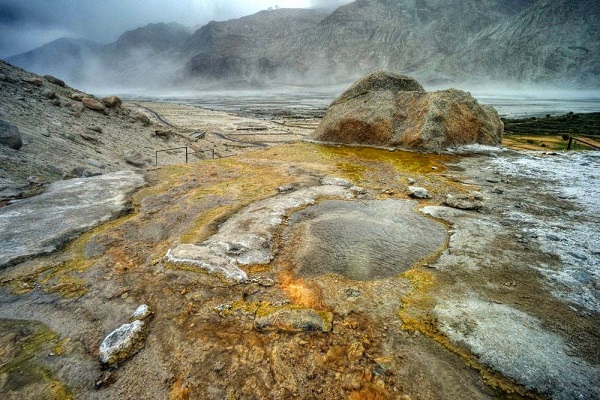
(503, 301)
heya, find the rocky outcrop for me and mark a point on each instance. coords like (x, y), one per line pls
(10, 135)
(385, 109)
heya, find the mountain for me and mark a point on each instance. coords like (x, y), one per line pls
(66, 57)
(409, 36)
(553, 41)
(137, 57)
(237, 47)
(437, 41)
(134, 58)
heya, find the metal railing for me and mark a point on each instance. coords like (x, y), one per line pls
(187, 153)
(573, 139)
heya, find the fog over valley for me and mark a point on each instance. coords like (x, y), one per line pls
(467, 44)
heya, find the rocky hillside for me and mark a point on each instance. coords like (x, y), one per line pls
(437, 41)
(49, 132)
(552, 41)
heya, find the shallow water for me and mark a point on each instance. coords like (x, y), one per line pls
(363, 241)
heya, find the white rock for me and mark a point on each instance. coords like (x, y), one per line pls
(418, 192)
(122, 343)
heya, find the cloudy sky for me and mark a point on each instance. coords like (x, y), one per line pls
(26, 24)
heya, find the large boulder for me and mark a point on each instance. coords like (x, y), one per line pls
(386, 109)
(10, 135)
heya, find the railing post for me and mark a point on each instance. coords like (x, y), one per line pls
(156, 163)
(570, 143)
(186, 155)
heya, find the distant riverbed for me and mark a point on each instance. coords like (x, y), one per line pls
(310, 102)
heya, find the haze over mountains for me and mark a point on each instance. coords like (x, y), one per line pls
(440, 42)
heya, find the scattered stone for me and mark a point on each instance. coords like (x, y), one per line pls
(34, 81)
(386, 109)
(89, 135)
(477, 195)
(330, 180)
(42, 130)
(553, 237)
(286, 188)
(291, 318)
(3, 78)
(10, 135)
(134, 158)
(164, 133)
(418, 192)
(77, 96)
(143, 118)
(142, 313)
(463, 202)
(411, 181)
(122, 343)
(112, 102)
(49, 94)
(579, 256)
(492, 180)
(105, 379)
(95, 129)
(353, 292)
(497, 190)
(56, 102)
(54, 80)
(92, 104)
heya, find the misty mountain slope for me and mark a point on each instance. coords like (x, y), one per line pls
(406, 36)
(436, 41)
(552, 41)
(237, 47)
(67, 58)
(138, 56)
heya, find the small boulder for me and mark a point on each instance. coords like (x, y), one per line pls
(92, 104)
(10, 135)
(142, 313)
(134, 158)
(418, 192)
(385, 109)
(49, 94)
(143, 118)
(77, 107)
(95, 128)
(112, 102)
(164, 133)
(77, 96)
(291, 318)
(34, 81)
(463, 202)
(42, 130)
(54, 80)
(122, 343)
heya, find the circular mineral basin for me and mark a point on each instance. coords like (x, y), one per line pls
(362, 240)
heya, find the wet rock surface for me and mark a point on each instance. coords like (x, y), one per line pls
(247, 237)
(41, 224)
(365, 240)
